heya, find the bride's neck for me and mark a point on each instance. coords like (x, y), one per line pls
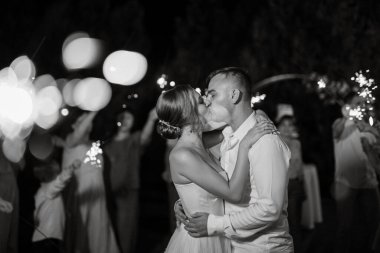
(191, 136)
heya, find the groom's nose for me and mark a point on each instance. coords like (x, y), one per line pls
(206, 101)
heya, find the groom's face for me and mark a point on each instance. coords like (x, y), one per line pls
(218, 98)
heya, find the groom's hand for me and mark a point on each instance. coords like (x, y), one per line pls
(197, 225)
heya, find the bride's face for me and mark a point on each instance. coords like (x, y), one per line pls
(204, 114)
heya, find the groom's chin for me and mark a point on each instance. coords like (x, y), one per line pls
(213, 125)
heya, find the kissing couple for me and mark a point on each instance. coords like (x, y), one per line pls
(237, 204)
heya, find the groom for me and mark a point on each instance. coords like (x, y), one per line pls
(259, 222)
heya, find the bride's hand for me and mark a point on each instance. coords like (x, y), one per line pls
(261, 116)
(259, 130)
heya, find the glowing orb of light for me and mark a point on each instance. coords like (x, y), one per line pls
(14, 149)
(24, 69)
(92, 94)
(41, 146)
(8, 76)
(68, 92)
(74, 36)
(125, 67)
(48, 101)
(81, 53)
(16, 104)
(10, 129)
(65, 112)
(47, 121)
(44, 81)
(61, 83)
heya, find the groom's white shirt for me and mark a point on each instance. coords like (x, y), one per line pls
(259, 223)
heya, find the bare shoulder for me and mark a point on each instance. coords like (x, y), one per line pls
(181, 155)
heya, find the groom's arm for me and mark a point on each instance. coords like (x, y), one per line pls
(269, 160)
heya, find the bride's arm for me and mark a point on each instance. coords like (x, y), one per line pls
(212, 138)
(188, 165)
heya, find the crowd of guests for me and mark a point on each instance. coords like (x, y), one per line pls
(78, 209)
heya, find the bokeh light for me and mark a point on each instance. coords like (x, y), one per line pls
(65, 112)
(48, 100)
(47, 121)
(14, 149)
(125, 67)
(68, 92)
(41, 146)
(44, 81)
(81, 53)
(92, 94)
(16, 104)
(24, 69)
(8, 76)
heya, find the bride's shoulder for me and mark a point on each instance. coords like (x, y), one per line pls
(181, 154)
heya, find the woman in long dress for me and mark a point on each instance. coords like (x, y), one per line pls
(199, 180)
(88, 227)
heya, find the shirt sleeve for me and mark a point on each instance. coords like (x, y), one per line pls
(269, 161)
(58, 184)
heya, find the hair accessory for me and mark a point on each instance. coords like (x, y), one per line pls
(168, 125)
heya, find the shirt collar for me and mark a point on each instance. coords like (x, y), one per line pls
(243, 128)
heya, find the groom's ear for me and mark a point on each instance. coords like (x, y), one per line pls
(236, 96)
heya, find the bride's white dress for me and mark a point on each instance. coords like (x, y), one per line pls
(195, 199)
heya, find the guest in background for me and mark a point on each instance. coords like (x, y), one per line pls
(286, 124)
(49, 214)
(356, 186)
(124, 153)
(89, 228)
(9, 206)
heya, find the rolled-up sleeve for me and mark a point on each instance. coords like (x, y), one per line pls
(57, 185)
(269, 161)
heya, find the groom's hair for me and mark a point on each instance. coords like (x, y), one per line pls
(241, 75)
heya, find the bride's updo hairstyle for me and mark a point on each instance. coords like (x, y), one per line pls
(177, 108)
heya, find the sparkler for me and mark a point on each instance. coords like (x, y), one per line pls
(321, 84)
(92, 157)
(364, 88)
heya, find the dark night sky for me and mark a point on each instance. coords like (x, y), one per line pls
(188, 39)
(38, 29)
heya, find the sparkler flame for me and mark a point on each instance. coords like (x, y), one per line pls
(92, 155)
(365, 87)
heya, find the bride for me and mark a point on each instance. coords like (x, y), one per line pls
(199, 180)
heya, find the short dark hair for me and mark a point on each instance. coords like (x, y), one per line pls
(239, 73)
(286, 117)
